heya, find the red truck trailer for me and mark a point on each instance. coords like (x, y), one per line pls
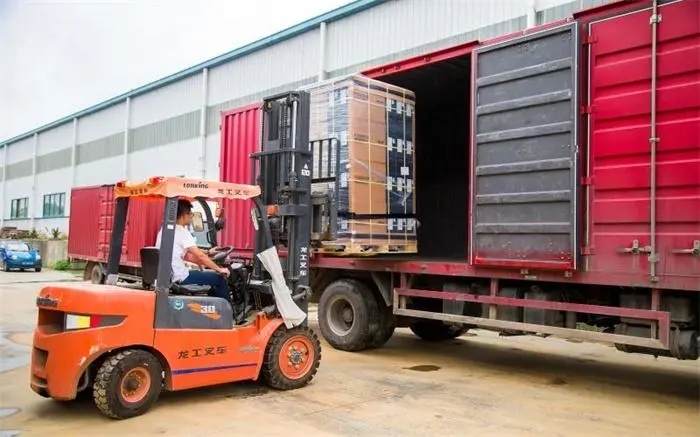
(557, 184)
(90, 227)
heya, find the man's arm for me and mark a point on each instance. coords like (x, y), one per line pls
(201, 258)
(198, 255)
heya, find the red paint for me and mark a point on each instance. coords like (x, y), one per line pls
(240, 136)
(462, 269)
(89, 239)
(620, 78)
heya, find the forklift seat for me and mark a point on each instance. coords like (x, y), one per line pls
(149, 273)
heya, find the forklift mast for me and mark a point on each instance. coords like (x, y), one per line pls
(282, 169)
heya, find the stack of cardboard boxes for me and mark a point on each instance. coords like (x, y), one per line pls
(373, 123)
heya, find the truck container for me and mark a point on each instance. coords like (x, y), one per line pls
(88, 239)
(90, 230)
(559, 189)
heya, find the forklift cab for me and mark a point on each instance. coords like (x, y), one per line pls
(156, 264)
(204, 228)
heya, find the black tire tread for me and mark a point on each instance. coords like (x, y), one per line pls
(366, 298)
(387, 324)
(102, 390)
(435, 330)
(270, 371)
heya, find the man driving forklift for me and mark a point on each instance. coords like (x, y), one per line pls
(185, 249)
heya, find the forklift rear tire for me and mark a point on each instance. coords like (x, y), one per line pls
(127, 384)
(292, 358)
(348, 315)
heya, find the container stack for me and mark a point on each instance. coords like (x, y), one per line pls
(373, 124)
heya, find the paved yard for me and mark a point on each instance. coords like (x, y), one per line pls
(476, 385)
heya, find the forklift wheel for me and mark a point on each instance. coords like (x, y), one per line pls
(127, 384)
(292, 358)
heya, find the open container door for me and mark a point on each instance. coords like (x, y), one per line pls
(524, 149)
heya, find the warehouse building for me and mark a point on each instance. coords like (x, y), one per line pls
(171, 126)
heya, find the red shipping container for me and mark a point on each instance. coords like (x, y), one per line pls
(89, 239)
(240, 136)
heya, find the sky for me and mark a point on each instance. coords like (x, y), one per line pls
(61, 56)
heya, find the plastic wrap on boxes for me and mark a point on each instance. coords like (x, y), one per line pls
(373, 123)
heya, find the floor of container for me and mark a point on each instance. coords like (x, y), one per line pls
(442, 160)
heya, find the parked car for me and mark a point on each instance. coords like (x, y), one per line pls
(16, 254)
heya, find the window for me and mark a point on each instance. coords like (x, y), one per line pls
(54, 205)
(19, 209)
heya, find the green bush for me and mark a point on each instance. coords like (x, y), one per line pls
(62, 264)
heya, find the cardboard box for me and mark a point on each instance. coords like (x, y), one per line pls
(373, 123)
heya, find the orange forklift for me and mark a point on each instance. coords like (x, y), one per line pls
(124, 345)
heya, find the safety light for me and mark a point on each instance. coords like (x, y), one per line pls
(155, 180)
(75, 321)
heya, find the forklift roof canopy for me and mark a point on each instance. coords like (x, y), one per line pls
(160, 186)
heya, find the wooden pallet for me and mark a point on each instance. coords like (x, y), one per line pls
(365, 248)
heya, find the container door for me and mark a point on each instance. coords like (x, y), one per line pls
(240, 136)
(524, 150)
(646, 217)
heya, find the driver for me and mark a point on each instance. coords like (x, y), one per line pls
(184, 246)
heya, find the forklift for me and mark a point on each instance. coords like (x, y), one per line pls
(123, 346)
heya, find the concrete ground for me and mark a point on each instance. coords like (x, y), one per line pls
(475, 385)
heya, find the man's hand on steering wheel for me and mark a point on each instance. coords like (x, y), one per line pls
(214, 250)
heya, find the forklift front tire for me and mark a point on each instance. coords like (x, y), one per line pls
(292, 358)
(127, 384)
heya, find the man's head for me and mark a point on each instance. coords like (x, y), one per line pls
(184, 212)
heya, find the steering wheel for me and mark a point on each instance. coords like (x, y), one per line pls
(222, 254)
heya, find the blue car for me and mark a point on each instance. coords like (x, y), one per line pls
(15, 254)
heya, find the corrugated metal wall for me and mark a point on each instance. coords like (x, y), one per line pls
(167, 126)
(242, 128)
(397, 27)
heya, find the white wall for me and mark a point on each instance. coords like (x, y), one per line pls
(104, 171)
(213, 152)
(20, 150)
(173, 159)
(169, 101)
(400, 25)
(100, 124)
(17, 189)
(285, 62)
(50, 182)
(58, 138)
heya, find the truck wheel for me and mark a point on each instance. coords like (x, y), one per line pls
(387, 324)
(127, 384)
(292, 358)
(436, 330)
(348, 315)
(95, 274)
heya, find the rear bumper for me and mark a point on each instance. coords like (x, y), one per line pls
(56, 367)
